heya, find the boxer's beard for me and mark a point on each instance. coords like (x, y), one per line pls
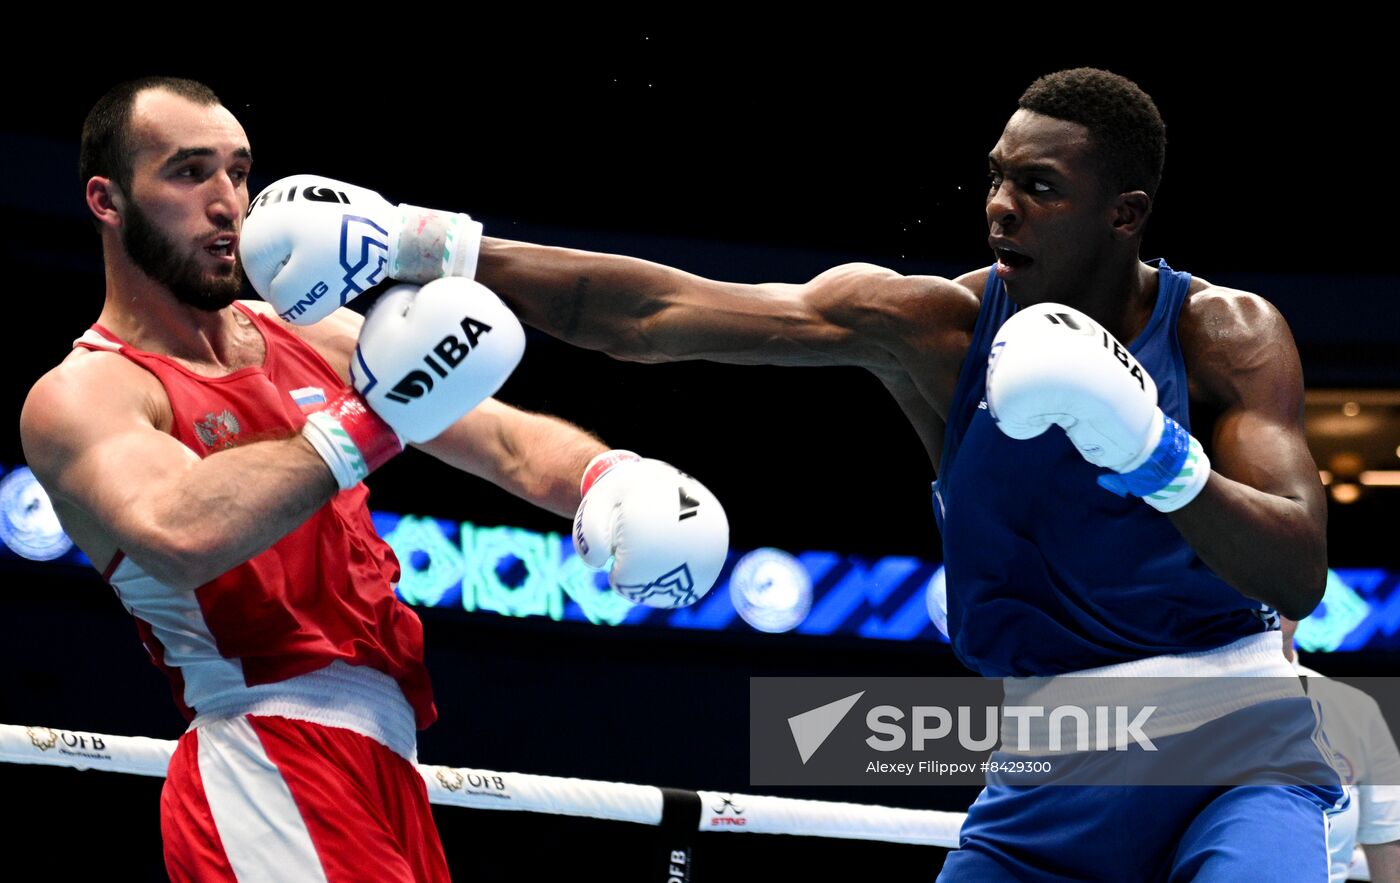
(158, 257)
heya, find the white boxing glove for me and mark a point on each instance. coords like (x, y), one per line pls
(1052, 365)
(426, 356)
(310, 245)
(666, 534)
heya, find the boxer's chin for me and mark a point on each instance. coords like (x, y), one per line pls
(208, 292)
(185, 272)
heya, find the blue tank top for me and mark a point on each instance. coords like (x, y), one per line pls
(1049, 573)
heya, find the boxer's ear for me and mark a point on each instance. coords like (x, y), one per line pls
(105, 201)
(1130, 213)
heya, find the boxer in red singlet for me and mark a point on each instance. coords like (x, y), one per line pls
(175, 443)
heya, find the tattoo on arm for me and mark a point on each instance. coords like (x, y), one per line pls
(566, 311)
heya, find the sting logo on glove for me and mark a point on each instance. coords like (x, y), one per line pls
(364, 253)
(308, 238)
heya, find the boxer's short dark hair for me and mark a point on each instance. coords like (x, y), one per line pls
(1123, 120)
(106, 146)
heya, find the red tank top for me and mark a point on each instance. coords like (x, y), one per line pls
(323, 593)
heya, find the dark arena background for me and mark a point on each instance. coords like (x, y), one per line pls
(748, 158)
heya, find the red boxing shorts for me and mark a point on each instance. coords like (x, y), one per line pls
(269, 798)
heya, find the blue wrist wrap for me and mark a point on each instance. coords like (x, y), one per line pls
(1161, 468)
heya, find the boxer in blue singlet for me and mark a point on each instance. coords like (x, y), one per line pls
(1105, 583)
(1114, 542)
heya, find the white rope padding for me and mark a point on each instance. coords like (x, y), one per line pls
(486, 789)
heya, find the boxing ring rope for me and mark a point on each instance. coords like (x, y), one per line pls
(486, 789)
(553, 795)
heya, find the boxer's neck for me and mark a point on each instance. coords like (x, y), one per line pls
(147, 316)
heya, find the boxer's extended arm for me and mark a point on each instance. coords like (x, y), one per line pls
(295, 239)
(90, 436)
(536, 457)
(855, 314)
(1261, 520)
(649, 522)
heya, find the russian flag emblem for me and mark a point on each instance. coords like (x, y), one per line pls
(309, 398)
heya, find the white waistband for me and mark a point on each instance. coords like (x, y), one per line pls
(1253, 656)
(352, 697)
(1242, 674)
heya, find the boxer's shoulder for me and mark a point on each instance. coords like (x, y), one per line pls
(1231, 340)
(94, 385)
(1215, 312)
(922, 311)
(89, 398)
(975, 282)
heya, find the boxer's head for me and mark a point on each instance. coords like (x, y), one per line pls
(1072, 180)
(1127, 138)
(166, 165)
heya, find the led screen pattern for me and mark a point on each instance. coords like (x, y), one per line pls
(510, 571)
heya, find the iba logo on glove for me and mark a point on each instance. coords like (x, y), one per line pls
(1067, 321)
(450, 352)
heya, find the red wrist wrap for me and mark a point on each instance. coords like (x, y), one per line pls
(600, 464)
(378, 443)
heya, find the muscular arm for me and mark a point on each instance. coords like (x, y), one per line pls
(1261, 520)
(118, 482)
(536, 457)
(855, 314)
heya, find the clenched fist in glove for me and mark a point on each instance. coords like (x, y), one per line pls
(1053, 365)
(426, 356)
(666, 534)
(310, 245)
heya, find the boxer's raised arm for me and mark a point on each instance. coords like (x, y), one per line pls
(1251, 506)
(1261, 521)
(92, 432)
(311, 244)
(855, 314)
(663, 535)
(533, 456)
(643, 522)
(118, 482)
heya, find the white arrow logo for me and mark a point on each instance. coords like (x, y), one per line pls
(811, 728)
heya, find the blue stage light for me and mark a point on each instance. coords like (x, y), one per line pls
(771, 590)
(28, 524)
